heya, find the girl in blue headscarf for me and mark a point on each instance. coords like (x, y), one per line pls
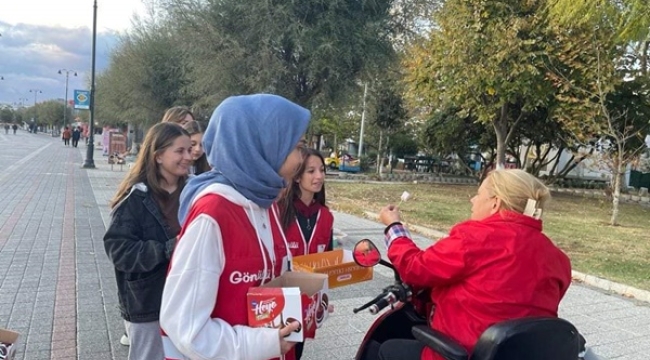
(230, 241)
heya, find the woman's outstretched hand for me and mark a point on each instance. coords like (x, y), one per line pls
(389, 214)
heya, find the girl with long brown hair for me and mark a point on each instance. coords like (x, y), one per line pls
(142, 233)
(306, 220)
(200, 160)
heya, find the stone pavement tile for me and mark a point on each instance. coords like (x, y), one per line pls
(627, 318)
(606, 337)
(37, 244)
(618, 349)
(38, 354)
(343, 352)
(98, 301)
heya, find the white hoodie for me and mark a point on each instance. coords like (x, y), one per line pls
(193, 284)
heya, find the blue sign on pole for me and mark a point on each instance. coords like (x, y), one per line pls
(82, 99)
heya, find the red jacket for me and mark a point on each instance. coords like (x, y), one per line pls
(484, 272)
(320, 236)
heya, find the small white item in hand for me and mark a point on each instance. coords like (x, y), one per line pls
(405, 196)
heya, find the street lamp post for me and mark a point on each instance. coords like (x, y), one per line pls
(34, 120)
(363, 119)
(36, 92)
(65, 107)
(90, 163)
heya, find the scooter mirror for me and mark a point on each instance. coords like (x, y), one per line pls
(366, 253)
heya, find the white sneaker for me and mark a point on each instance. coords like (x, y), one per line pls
(124, 340)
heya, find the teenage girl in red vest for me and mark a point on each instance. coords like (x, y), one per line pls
(306, 220)
(230, 240)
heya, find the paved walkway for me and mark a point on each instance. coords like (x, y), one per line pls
(57, 286)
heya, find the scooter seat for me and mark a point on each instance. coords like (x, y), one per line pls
(439, 342)
(520, 339)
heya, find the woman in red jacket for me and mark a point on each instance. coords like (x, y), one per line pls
(494, 267)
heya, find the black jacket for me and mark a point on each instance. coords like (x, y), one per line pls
(139, 243)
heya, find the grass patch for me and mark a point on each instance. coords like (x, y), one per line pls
(578, 225)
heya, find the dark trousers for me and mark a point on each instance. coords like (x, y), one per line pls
(395, 349)
(75, 142)
(298, 349)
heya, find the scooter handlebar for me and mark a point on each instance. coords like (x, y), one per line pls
(389, 299)
(390, 295)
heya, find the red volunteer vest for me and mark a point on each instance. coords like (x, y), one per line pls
(320, 236)
(244, 267)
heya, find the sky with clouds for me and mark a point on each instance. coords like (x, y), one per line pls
(40, 37)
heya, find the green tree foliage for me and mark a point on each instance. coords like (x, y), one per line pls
(601, 86)
(442, 129)
(628, 21)
(6, 115)
(403, 143)
(310, 51)
(18, 117)
(629, 18)
(46, 113)
(147, 75)
(389, 109)
(485, 58)
(337, 126)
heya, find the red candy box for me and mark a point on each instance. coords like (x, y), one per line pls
(294, 296)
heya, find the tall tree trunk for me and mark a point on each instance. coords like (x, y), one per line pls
(525, 162)
(500, 129)
(616, 194)
(504, 136)
(335, 150)
(644, 57)
(390, 153)
(380, 158)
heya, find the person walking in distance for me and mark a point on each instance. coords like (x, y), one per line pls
(66, 135)
(76, 135)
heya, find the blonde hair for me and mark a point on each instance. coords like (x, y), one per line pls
(177, 114)
(193, 127)
(514, 187)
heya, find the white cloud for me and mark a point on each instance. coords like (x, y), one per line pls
(39, 37)
(32, 56)
(111, 14)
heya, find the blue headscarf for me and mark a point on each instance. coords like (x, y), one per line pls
(246, 142)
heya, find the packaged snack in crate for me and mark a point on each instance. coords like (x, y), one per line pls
(338, 265)
(294, 296)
